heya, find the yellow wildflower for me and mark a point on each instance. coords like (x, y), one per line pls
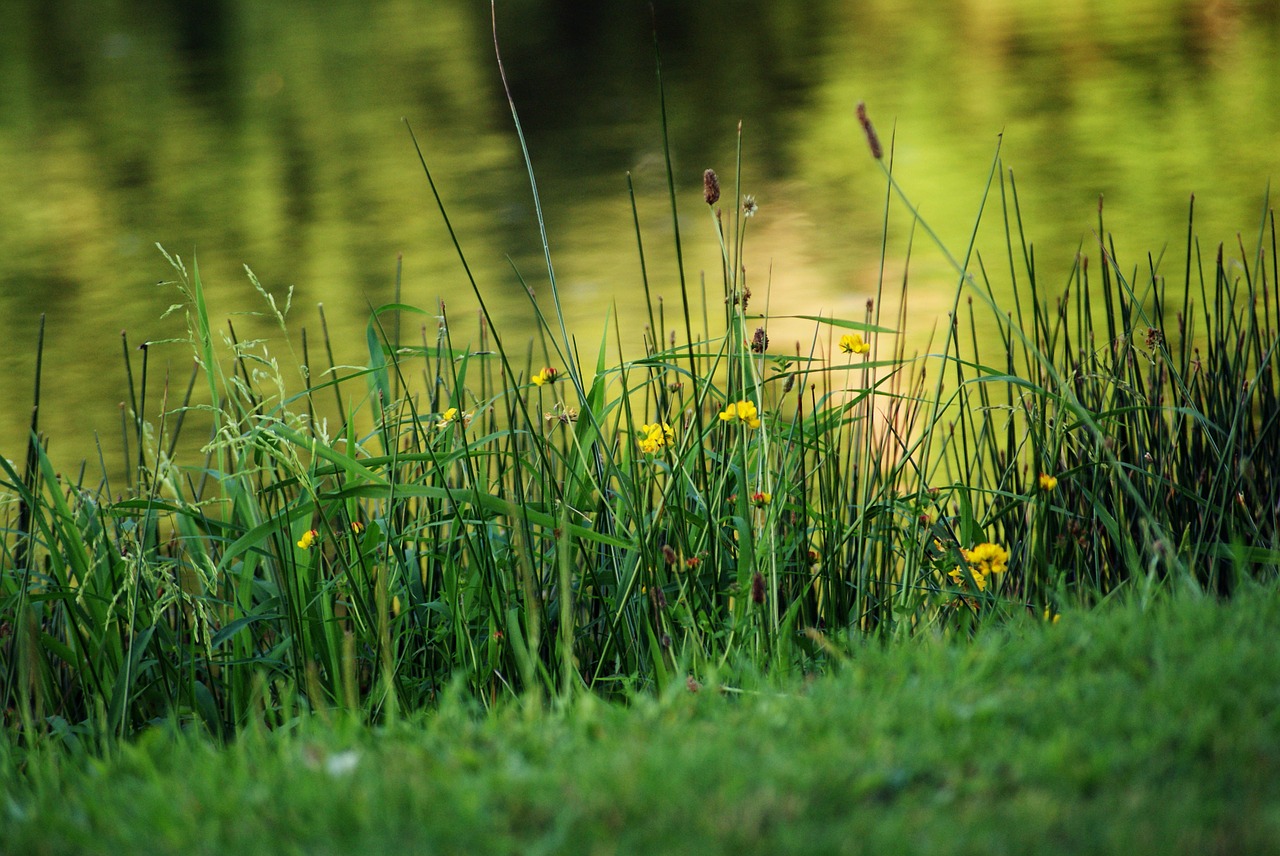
(308, 538)
(987, 559)
(655, 436)
(979, 578)
(761, 498)
(741, 411)
(851, 343)
(547, 375)
(1048, 482)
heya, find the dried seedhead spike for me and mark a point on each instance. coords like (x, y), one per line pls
(759, 341)
(757, 588)
(710, 187)
(872, 140)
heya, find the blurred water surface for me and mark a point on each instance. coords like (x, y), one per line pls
(270, 135)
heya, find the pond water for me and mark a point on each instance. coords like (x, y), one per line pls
(271, 135)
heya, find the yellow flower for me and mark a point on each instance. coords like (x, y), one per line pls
(761, 498)
(741, 411)
(1047, 482)
(447, 418)
(979, 578)
(655, 436)
(659, 432)
(547, 375)
(1051, 616)
(851, 343)
(987, 559)
(308, 538)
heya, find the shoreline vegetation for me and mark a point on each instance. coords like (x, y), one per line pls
(546, 521)
(549, 521)
(547, 525)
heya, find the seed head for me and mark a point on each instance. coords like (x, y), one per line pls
(872, 139)
(710, 187)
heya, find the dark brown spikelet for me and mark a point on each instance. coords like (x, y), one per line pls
(757, 588)
(710, 187)
(658, 597)
(759, 341)
(669, 554)
(872, 139)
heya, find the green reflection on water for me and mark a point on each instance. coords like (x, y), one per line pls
(270, 134)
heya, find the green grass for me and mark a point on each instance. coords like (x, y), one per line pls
(360, 538)
(1125, 729)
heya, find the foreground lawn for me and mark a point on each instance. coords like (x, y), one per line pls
(1121, 731)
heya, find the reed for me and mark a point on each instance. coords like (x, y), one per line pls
(591, 521)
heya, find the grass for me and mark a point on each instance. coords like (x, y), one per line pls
(1012, 742)
(546, 520)
(539, 595)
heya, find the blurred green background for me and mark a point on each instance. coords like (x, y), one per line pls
(270, 134)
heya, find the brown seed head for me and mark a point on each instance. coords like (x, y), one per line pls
(710, 187)
(872, 139)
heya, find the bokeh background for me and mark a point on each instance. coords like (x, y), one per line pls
(269, 134)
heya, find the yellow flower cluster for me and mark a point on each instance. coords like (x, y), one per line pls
(654, 437)
(987, 558)
(1048, 482)
(547, 375)
(983, 561)
(308, 538)
(851, 343)
(741, 411)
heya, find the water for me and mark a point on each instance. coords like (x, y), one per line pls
(271, 135)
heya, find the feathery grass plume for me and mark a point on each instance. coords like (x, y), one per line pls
(710, 187)
(872, 139)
